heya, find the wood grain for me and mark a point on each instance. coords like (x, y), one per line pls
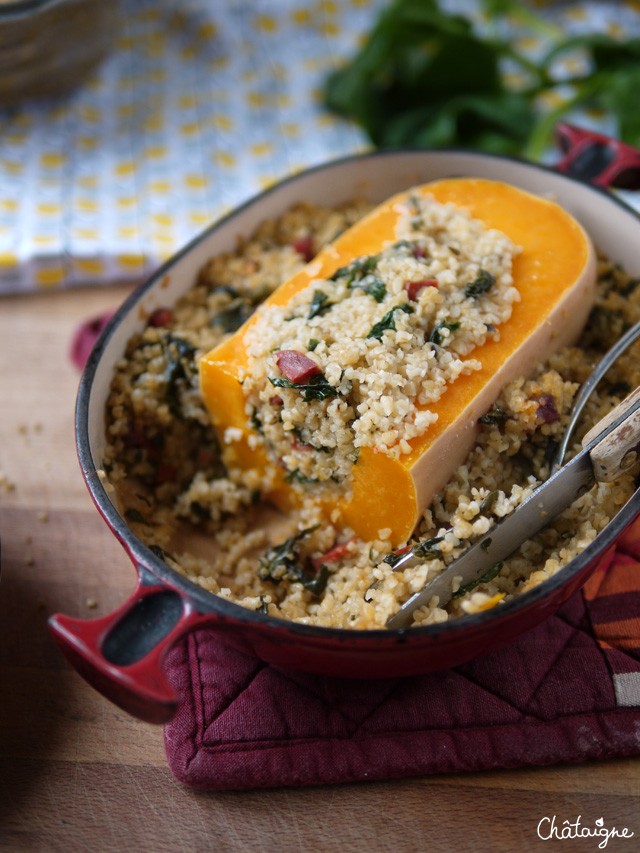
(78, 774)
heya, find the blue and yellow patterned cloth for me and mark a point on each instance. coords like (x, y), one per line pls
(200, 105)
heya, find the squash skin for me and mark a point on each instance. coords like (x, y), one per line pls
(555, 274)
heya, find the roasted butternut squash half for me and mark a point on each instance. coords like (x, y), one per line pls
(359, 383)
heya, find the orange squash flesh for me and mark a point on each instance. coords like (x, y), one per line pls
(555, 275)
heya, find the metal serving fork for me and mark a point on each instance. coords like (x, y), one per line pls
(609, 448)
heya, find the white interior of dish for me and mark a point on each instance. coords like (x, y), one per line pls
(614, 228)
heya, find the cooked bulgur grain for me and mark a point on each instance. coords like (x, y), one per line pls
(208, 523)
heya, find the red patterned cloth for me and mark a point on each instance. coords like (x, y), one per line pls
(567, 691)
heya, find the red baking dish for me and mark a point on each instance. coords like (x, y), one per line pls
(121, 654)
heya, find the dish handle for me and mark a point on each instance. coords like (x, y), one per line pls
(121, 654)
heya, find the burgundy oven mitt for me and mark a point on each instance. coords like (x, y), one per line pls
(567, 691)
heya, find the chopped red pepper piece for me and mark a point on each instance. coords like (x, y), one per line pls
(333, 555)
(547, 409)
(166, 473)
(276, 400)
(161, 317)
(413, 288)
(419, 251)
(304, 247)
(296, 366)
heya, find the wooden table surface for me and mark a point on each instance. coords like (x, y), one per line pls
(76, 773)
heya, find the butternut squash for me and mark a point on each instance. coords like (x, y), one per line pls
(555, 275)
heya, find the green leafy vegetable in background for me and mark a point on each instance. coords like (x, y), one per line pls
(428, 78)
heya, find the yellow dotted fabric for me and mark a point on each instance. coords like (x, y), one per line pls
(199, 106)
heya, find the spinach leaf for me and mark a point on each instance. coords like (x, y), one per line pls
(199, 511)
(180, 367)
(296, 476)
(316, 388)
(610, 86)
(319, 304)
(496, 415)
(424, 77)
(234, 315)
(436, 336)
(412, 248)
(283, 562)
(620, 389)
(373, 286)
(482, 283)
(302, 438)
(428, 549)
(489, 502)
(486, 577)
(356, 270)
(135, 516)
(427, 78)
(372, 586)
(161, 553)
(629, 287)
(255, 421)
(388, 321)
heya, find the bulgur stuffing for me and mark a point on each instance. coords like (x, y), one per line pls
(355, 360)
(206, 519)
